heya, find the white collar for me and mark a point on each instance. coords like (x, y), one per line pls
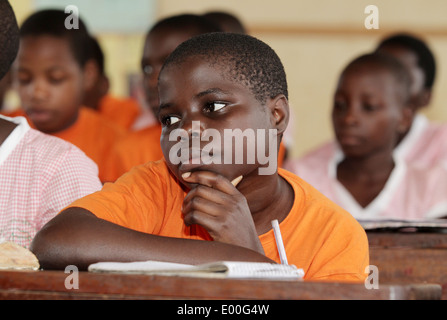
(14, 137)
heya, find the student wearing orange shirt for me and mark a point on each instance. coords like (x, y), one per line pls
(122, 111)
(53, 73)
(196, 212)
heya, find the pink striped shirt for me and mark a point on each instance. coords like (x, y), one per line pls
(39, 176)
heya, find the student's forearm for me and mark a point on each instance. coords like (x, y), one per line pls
(77, 237)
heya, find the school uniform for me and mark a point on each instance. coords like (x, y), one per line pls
(39, 176)
(411, 192)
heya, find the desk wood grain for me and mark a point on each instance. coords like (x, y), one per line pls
(411, 240)
(410, 258)
(50, 285)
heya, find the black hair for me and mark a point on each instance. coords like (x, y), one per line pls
(394, 66)
(249, 61)
(426, 60)
(52, 22)
(227, 21)
(189, 22)
(9, 37)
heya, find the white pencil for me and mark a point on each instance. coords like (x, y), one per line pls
(279, 243)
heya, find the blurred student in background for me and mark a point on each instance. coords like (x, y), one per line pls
(372, 109)
(423, 144)
(53, 74)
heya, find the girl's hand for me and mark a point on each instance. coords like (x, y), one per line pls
(216, 204)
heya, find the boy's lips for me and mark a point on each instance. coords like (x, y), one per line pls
(39, 115)
(349, 139)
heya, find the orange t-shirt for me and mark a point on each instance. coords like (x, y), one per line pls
(122, 111)
(95, 136)
(320, 237)
(136, 148)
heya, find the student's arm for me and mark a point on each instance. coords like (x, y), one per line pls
(77, 237)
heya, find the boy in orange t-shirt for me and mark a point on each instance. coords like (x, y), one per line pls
(53, 74)
(159, 211)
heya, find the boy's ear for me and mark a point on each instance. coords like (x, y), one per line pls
(406, 120)
(424, 98)
(279, 108)
(91, 74)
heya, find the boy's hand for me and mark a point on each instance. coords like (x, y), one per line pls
(221, 209)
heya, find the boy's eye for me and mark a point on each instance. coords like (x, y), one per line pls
(169, 120)
(56, 80)
(214, 106)
(339, 105)
(23, 80)
(369, 107)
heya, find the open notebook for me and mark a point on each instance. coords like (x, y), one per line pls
(427, 225)
(222, 269)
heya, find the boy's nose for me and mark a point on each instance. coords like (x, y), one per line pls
(194, 128)
(350, 116)
(39, 91)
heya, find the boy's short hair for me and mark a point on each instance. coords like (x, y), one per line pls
(52, 23)
(9, 37)
(426, 60)
(248, 61)
(386, 62)
(189, 22)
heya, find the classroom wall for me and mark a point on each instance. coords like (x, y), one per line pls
(315, 39)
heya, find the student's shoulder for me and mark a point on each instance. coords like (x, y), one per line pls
(315, 160)
(146, 135)
(149, 173)
(49, 148)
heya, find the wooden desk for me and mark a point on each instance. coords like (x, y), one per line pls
(410, 257)
(417, 240)
(51, 285)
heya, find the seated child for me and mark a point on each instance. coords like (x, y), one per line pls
(122, 111)
(372, 108)
(53, 74)
(194, 210)
(39, 174)
(424, 143)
